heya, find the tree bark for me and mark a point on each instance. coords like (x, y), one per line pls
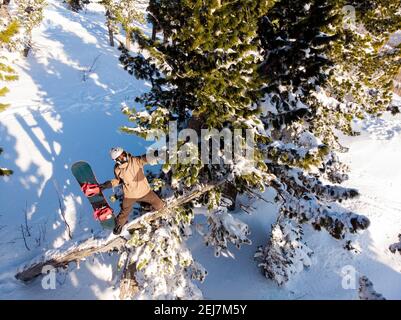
(111, 36)
(75, 253)
(165, 38)
(80, 251)
(128, 283)
(127, 40)
(110, 28)
(154, 32)
(26, 50)
(397, 84)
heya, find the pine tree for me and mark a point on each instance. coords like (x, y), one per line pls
(111, 18)
(297, 39)
(127, 13)
(164, 265)
(270, 67)
(286, 254)
(364, 67)
(77, 5)
(6, 73)
(160, 14)
(321, 73)
(29, 15)
(293, 42)
(205, 71)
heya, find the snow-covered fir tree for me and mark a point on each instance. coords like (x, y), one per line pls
(295, 74)
(205, 74)
(7, 16)
(111, 18)
(7, 73)
(128, 13)
(164, 265)
(268, 68)
(30, 15)
(76, 5)
(364, 67)
(160, 14)
(285, 253)
(296, 65)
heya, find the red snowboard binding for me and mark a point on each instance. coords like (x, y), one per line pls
(90, 189)
(103, 214)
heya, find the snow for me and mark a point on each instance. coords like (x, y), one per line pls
(395, 39)
(57, 118)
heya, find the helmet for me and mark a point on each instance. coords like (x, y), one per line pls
(116, 152)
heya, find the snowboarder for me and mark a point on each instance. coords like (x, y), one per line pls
(128, 172)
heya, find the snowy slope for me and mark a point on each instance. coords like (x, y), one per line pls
(61, 113)
(56, 118)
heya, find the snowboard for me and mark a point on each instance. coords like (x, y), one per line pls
(83, 172)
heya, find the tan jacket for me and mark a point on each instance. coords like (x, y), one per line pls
(132, 178)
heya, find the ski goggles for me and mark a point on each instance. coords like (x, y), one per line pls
(121, 161)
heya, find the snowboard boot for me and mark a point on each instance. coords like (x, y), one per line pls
(118, 228)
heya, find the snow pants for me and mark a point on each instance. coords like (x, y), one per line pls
(127, 204)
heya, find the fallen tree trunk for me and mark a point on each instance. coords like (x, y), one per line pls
(79, 251)
(61, 258)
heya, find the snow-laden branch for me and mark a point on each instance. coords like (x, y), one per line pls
(286, 253)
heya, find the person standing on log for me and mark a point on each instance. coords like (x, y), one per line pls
(128, 172)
